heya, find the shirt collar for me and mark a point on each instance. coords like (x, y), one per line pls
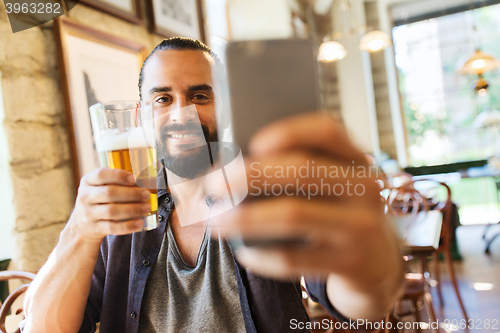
(161, 183)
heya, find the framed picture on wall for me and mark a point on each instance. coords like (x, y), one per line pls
(129, 10)
(94, 67)
(170, 18)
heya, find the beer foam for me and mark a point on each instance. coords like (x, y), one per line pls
(141, 137)
(112, 139)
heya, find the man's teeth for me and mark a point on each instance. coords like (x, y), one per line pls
(182, 136)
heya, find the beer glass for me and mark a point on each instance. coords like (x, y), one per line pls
(124, 138)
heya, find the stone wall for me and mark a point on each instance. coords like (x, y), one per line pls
(379, 74)
(36, 134)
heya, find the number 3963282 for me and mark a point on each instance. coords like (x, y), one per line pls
(34, 8)
(477, 324)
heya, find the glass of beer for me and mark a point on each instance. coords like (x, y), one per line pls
(124, 139)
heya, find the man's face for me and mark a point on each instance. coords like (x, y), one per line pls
(179, 84)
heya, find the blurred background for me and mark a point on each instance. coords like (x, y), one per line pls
(416, 83)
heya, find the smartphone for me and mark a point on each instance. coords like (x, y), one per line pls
(267, 80)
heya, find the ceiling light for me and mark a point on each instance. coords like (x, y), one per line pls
(480, 86)
(375, 41)
(477, 63)
(482, 92)
(331, 51)
(375, 45)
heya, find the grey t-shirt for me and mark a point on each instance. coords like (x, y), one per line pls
(180, 298)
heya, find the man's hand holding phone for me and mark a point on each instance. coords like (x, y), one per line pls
(342, 220)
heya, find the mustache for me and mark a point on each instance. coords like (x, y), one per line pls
(189, 127)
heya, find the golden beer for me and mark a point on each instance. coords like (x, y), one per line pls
(138, 159)
(124, 138)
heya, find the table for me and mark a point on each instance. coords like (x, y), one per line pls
(420, 232)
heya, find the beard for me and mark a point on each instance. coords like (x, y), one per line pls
(192, 162)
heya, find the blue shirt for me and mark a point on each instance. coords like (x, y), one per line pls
(125, 262)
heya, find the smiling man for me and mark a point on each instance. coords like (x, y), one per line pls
(179, 279)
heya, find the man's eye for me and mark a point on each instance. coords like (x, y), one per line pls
(200, 97)
(161, 100)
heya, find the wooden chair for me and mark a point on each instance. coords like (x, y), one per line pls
(445, 240)
(417, 293)
(406, 200)
(6, 306)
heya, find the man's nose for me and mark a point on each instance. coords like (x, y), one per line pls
(184, 114)
(180, 101)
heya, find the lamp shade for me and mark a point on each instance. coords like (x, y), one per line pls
(477, 63)
(375, 41)
(487, 118)
(331, 51)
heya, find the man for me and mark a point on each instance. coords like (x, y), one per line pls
(177, 279)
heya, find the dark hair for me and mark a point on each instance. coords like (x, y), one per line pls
(179, 44)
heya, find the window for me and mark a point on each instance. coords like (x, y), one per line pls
(439, 105)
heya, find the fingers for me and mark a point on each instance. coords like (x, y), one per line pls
(315, 221)
(360, 257)
(118, 194)
(119, 228)
(320, 257)
(283, 263)
(105, 176)
(109, 202)
(119, 212)
(312, 131)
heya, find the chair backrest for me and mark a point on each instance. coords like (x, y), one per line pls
(410, 203)
(425, 185)
(444, 206)
(404, 200)
(6, 306)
